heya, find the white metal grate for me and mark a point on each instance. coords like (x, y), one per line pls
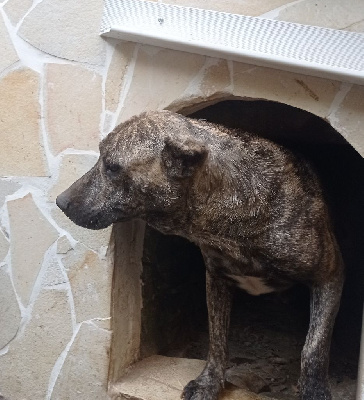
(289, 46)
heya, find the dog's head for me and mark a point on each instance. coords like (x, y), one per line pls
(145, 168)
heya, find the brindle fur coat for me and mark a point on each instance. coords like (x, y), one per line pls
(256, 211)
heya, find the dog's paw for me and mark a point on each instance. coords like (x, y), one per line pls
(201, 389)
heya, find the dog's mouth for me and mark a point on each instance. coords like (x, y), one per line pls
(91, 218)
(90, 221)
(94, 222)
(102, 221)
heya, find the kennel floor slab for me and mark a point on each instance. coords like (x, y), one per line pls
(160, 377)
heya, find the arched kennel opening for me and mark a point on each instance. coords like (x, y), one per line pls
(267, 332)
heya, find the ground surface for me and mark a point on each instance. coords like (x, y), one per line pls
(267, 335)
(163, 378)
(266, 339)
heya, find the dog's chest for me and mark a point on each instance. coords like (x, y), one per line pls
(251, 284)
(246, 273)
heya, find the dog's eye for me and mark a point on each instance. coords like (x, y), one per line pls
(112, 168)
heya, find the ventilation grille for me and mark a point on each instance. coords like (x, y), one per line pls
(289, 46)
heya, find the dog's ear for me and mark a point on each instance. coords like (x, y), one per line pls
(182, 157)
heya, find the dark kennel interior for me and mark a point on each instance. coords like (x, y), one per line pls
(267, 332)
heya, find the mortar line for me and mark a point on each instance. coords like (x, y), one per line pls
(110, 51)
(37, 287)
(53, 166)
(274, 14)
(31, 8)
(92, 322)
(8, 261)
(4, 350)
(75, 327)
(41, 202)
(28, 55)
(57, 368)
(209, 62)
(230, 65)
(339, 97)
(126, 85)
(71, 300)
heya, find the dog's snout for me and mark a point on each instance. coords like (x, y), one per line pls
(63, 201)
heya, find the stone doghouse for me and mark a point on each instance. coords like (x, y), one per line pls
(78, 307)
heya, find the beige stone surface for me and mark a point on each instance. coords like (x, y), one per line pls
(20, 132)
(349, 118)
(74, 107)
(90, 238)
(16, 9)
(215, 83)
(8, 55)
(67, 29)
(103, 323)
(306, 92)
(26, 367)
(240, 394)
(90, 280)
(246, 7)
(4, 246)
(31, 235)
(63, 245)
(9, 310)
(54, 275)
(7, 188)
(359, 27)
(115, 77)
(336, 14)
(72, 167)
(127, 251)
(216, 79)
(84, 372)
(159, 377)
(167, 376)
(160, 78)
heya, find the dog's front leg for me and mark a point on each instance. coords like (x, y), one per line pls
(325, 300)
(219, 296)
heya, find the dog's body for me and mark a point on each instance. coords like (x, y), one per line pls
(255, 210)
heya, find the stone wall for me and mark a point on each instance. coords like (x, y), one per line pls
(62, 88)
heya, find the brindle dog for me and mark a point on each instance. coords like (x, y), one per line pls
(255, 210)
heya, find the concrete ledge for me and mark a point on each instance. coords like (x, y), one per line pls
(159, 377)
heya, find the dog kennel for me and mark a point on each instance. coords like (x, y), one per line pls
(120, 313)
(173, 318)
(172, 314)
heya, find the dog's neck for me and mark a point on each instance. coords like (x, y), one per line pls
(223, 203)
(229, 196)
(218, 207)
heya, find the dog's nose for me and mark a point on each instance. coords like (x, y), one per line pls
(63, 201)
